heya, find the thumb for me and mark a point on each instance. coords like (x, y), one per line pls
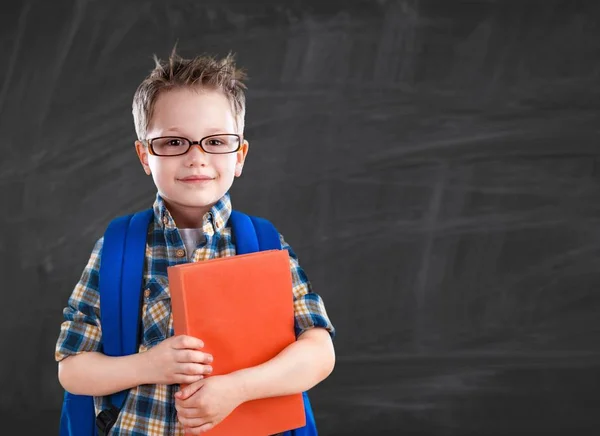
(189, 390)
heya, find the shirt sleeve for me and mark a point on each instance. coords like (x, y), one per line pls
(309, 309)
(80, 331)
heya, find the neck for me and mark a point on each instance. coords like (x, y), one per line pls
(187, 217)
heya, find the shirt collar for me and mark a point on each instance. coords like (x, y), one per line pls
(218, 215)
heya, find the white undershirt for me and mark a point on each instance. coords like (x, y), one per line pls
(191, 239)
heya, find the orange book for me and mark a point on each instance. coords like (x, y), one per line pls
(242, 308)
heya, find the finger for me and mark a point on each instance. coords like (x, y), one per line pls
(189, 390)
(184, 379)
(192, 422)
(187, 412)
(185, 341)
(194, 369)
(184, 394)
(199, 430)
(193, 356)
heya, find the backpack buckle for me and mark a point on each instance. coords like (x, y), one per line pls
(106, 419)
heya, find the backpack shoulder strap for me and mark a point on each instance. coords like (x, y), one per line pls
(121, 278)
(132, 279)
(111, 267)
(244, 235)
(251, 233)
(266, 233)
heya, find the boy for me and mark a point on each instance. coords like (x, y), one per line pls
(189, 120)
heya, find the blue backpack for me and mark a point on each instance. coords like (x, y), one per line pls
(121, 279)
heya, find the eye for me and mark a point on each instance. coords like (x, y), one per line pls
(214, 142)
(176, 142)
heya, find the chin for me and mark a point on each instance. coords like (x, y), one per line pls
(198, 199)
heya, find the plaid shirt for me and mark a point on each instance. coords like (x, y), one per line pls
(150, 409)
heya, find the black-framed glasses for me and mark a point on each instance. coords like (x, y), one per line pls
(221, 143)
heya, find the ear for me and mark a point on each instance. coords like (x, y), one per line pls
(142, 152)
(241, 158)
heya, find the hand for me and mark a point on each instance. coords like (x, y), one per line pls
(203, 404)
(177, 360)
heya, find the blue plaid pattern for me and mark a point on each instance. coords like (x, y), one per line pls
(150, 409)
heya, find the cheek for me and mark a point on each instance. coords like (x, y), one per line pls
(225, 167)
(162, 168)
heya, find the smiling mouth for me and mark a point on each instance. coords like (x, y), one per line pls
(196, 179)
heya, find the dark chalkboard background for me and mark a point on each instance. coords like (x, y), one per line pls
(435, 164)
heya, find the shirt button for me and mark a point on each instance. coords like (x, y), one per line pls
(147, 293)
(180, 253)
(165, 220)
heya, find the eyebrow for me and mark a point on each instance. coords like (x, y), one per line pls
(209, 131)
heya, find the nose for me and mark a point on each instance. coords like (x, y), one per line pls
(196, 155)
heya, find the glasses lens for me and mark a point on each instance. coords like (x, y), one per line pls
(170, 146)
(219, 144)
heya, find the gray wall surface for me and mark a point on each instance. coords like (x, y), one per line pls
(434, 164)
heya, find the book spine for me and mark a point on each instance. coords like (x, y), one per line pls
(178, 305)
(178, 302)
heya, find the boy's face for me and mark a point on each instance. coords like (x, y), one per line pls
(192, 114)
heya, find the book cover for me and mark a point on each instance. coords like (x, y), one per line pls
(242, 308)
